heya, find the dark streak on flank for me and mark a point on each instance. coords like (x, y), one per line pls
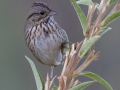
(48, 30)
(28, 34)
(51, 26)
(54, 38)
(35, 30)
(41, 24)
(45, 32)
(34, 41)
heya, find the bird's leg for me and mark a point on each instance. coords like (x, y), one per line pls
(51, 74)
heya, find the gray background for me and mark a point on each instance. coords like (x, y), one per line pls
(15, 71)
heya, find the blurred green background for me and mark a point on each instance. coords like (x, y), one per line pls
(15, 71)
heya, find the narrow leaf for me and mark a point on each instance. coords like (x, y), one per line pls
(54, 88)
(104, 30)
(36, 74)
(82, 85)
(81, 16)
(97, 78)
(87, 45)
(85, 2)
(111, 2)
(111, 18)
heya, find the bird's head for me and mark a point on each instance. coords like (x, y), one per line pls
(40, 12)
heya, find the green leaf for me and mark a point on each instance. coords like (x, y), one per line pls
(97, 7)
(81, 16)
(87, 45)
(87, 53)
(85, 2)
(36, 75)
(54, 88)
(104, 30)
(111, 2)
(82, 85)
(97, 78)
(110, 18)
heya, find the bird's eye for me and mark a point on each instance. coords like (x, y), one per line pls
(42, 13)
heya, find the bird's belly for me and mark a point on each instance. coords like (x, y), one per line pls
(48, 51)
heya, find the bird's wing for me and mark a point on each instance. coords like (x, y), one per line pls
(65, 46)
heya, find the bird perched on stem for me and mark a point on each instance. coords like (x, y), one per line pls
(44, 37)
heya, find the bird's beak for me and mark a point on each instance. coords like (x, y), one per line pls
(53, 13)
